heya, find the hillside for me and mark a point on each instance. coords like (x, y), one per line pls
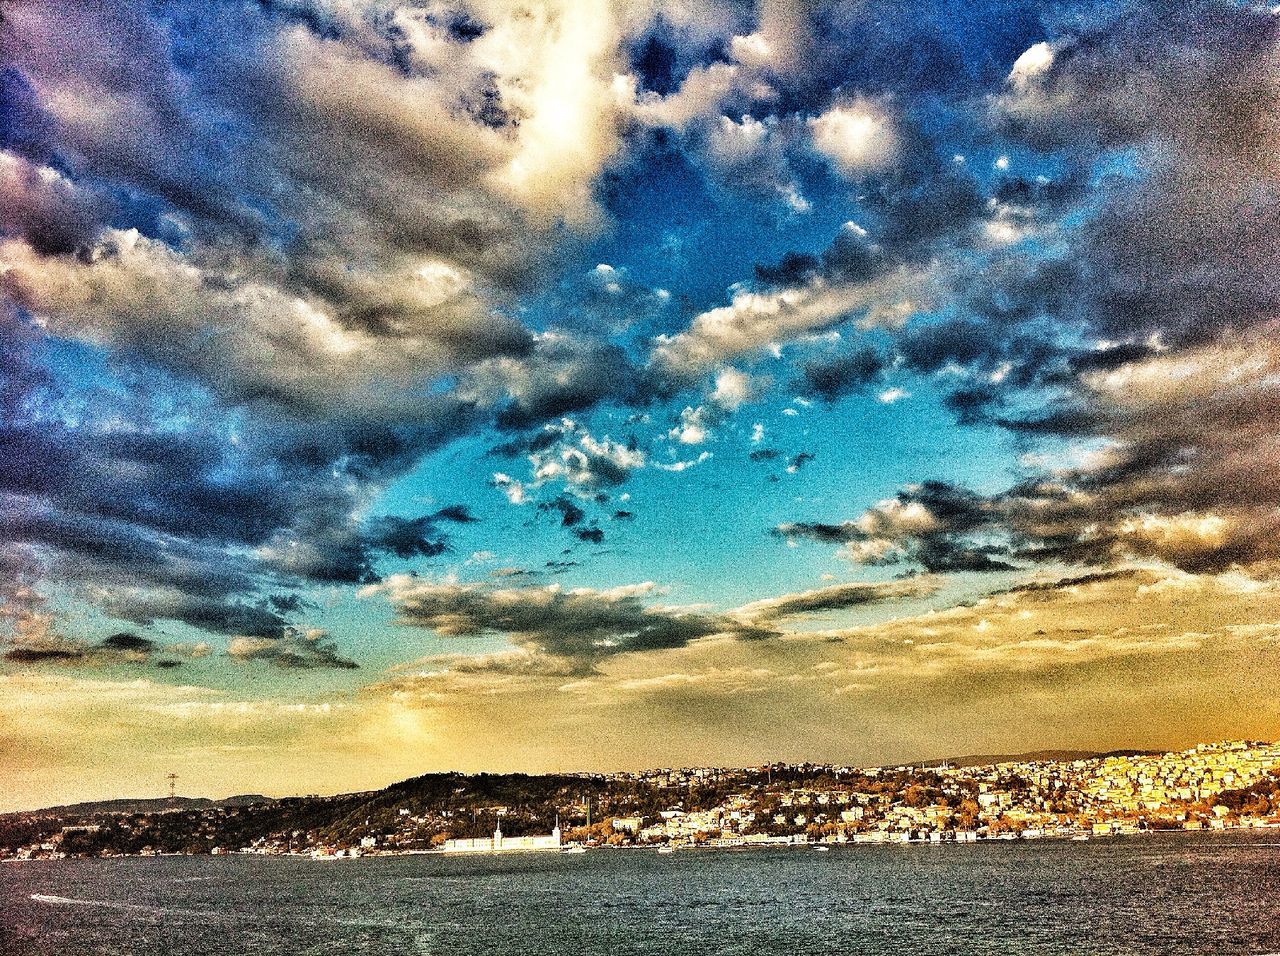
(128, 805)
(1030, 756)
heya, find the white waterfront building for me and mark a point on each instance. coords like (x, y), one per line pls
(499, 843)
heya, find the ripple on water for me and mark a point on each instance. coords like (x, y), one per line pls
(1176, 894)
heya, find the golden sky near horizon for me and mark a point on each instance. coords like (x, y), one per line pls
(1144, 658)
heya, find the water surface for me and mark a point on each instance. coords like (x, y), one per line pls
(1166, 894)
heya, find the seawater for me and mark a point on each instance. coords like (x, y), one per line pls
(1212, 893)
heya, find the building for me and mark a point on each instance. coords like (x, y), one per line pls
(500, 843)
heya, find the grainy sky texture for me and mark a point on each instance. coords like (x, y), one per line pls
(390, 387)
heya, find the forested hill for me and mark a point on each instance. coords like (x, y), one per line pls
(421, 811)
(153, 805)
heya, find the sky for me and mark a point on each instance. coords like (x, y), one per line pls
(580, 385)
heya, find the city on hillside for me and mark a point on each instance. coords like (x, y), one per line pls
(1211, 786)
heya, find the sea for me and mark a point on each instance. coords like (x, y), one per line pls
(1175, 893)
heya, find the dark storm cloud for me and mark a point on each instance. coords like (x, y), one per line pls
(960, 341)
(835, 597)
(664, 54)
(328, 547)
(941, 555)
(286, 603)
(577, 628)
(1061, 584)
(570, 513)
(51, 214)
(1196, 72)
(565, 375)
(798, 461)
(79, 470)
(833, 377)
(819, 531)
(936, 525)
(582, 624)
(1043, 195)
(293, 650)
(30, 655)
(930, 201)
(793, 269)
(1138, 507)
(28, 646)
(118, 508)
(105, 552)
(528, 444)
(911, 207)
(414, 537)
(1181, 248)
(124, 641)
(215, 613)
(850, 257)
(459, 514)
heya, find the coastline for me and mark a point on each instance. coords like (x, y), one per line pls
(733, 846)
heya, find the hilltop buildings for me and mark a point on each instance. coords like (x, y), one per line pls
(1211, 786)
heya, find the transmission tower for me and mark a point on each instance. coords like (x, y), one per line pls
(173, 784)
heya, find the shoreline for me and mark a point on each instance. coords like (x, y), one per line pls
(665, 848)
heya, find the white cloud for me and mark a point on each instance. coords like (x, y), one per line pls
(758, 321)
(555, 64)
(856, 138)
(513, 489)
(1034, 61)
(732, 389)
(679, 466)
(581, 460)
(694, 427)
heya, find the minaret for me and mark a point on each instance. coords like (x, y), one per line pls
(497, 836)
(555, 834)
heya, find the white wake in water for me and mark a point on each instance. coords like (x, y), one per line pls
(70, 901)
(112, 904)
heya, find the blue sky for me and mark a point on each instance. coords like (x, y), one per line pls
(450, 366)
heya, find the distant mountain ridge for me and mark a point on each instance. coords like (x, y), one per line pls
(126, 805)
(1030, 756)
(156, 804)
